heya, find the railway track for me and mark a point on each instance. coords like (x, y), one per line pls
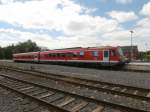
(117, 89)
(122, 90)
(60, 101)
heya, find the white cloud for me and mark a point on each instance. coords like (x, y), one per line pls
(11, 36)
(59, 15)
(146, 9)
(144, 23)
(4, 2)
(142, 32)
(79, 28)
(121, 16)
(76, 23)
(123, 1)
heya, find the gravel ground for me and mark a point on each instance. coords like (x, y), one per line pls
(128, 78)
(12, 102)
(141, 104)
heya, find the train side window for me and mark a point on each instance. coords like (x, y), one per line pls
(50, 55)
(58, 54)
(74, 55)
(69, 54)
(81, 54)
(63, 54)
(53, 55)
(95, 53)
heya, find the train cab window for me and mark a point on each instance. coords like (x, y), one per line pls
(81, 53)
(95, 53)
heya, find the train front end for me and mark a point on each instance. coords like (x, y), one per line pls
(122, 59)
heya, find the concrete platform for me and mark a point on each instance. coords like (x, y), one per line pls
(138, 66)
(140, 63)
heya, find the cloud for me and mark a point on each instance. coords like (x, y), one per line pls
(124, 1)
(121, 16)
(146, 9)
(11, 36)
(45, 14)
(144, 23)
(78, 26)
(4, 2)
(65, 16)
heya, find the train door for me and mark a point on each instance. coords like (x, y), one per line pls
(106, 55)
(36, 58)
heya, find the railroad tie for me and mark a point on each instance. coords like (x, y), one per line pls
(98, 109)
(79, 106)
(67, 101)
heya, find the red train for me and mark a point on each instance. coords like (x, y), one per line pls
(105, 56)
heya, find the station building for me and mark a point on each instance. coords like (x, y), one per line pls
(127, 51)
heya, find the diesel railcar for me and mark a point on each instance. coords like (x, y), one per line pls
(105, 56)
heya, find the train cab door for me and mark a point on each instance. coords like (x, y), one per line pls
(106, 55)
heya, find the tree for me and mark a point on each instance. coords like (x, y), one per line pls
(1, 53)
(27, 46)
(22, 47)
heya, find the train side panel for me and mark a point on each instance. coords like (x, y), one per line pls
(107, 56)
(26, 57)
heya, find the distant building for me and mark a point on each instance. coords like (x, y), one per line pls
(127, 51)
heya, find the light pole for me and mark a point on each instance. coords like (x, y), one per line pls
(131, 52)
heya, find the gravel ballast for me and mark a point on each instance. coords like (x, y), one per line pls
(137, 79)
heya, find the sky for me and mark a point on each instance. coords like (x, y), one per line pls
(75, 23)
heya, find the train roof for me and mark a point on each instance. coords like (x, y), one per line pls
(73, 49)
(78, 49)
(26, 53)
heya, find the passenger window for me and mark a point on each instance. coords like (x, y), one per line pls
(49, 55)
(63, 55)
(74, 55)
(68, 54)
(53, 55)
(95, 53)
(58, 54)
(81, 53)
